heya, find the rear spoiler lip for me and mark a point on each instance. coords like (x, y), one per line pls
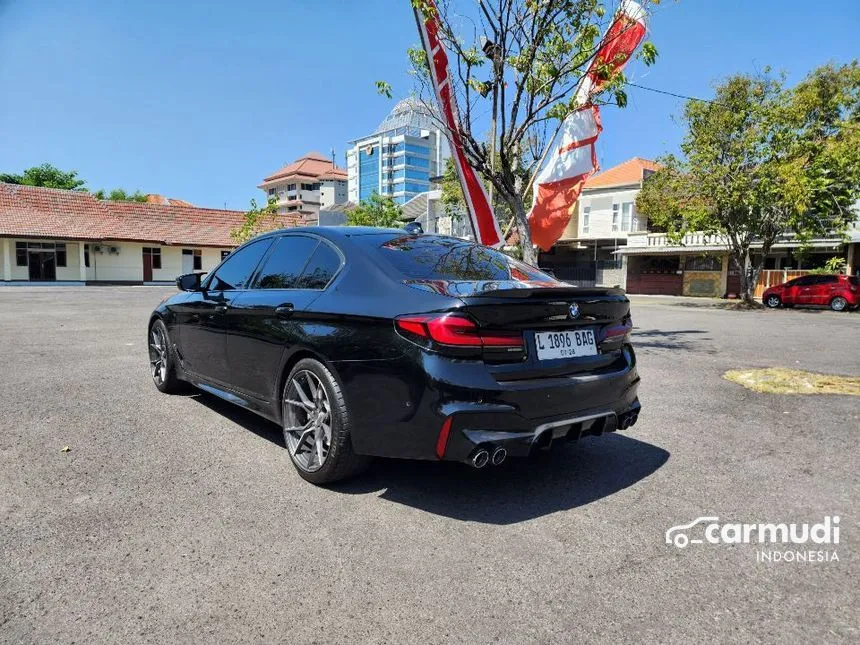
(560, 292)
(464, 289)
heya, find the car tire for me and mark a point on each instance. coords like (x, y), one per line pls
(305, 438)
(839, 304)
(772, 301)
(162, 360)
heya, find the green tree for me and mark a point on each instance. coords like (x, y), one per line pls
(521, 61)
(258, 219)
(120, 195)
(47, 176)
(454, 202)
(762, 160)
(379, 210)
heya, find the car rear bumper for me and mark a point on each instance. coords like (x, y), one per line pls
(399, 408)
(474, 429)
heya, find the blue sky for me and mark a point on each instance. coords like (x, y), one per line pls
(200, 100)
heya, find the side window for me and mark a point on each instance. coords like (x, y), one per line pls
(322, 267)
(238, 268)
(805, 281)
(286, 261)
(828, 279)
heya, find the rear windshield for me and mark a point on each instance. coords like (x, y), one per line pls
(428, 257)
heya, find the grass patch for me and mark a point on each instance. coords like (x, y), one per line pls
(780, 380)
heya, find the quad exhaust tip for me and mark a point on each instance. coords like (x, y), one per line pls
(499, 455)
(481, 458)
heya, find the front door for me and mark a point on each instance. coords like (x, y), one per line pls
(42, 266)
(147, 266)
(205, 316)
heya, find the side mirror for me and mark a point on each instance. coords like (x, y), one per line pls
(189, 282)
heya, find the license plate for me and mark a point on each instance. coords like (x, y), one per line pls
(565, 344)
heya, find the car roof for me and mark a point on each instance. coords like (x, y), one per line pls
(365, 235)
(339, 232)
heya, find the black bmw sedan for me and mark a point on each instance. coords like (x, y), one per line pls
(368, 342)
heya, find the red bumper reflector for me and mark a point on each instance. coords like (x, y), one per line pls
(442, 441)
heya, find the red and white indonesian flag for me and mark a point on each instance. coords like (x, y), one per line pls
(483, 220)
(572, 158)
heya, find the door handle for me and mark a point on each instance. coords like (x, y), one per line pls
(285, 310)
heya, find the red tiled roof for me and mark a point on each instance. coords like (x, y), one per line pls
(313, 165)
(161, 199)
(626, 173)
(29, 211)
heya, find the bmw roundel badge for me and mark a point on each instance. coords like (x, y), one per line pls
(574, 310)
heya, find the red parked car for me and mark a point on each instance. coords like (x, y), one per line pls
(839, 292)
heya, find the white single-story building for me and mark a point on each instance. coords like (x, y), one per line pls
(57, 236)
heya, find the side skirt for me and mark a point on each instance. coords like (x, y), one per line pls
(251, 403)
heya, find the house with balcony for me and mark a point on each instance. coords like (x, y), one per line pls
(306, 186)
(601, 222)
(699, 263)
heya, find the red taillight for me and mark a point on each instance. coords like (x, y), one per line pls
(442, 441)
(623, 329)
(456, 330)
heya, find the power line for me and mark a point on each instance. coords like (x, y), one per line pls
(677, 96)
(695, 98)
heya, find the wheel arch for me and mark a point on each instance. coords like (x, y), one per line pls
(289, 363)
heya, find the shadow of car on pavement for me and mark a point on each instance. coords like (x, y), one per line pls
(567, 477)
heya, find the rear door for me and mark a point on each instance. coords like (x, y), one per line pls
(806, 291)
(270, 318)
(203, 317)
(826, 288)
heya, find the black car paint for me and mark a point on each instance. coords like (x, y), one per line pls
(240, 345)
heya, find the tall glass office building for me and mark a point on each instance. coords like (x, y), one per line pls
(400, 157)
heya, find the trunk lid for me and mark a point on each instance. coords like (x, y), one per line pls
(540, 313)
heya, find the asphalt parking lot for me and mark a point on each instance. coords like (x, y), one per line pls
(178, 519)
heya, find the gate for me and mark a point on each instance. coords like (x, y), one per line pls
(770, 277)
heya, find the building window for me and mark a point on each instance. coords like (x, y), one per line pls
(61, 255)
(615, 217)
(155, 254)
(21, 254)
(586, 218)
(705, 263)
(87, 255)
(626, 215)
(197, 255)
(271, 191)
(368, 173)
(224, 255)
(417, 161)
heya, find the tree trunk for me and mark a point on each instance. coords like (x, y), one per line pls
(749, 276)
(518, 208)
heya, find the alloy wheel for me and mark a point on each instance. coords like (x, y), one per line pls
(307, 421)
(838, 303)
(773, 301)
(158, 354)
